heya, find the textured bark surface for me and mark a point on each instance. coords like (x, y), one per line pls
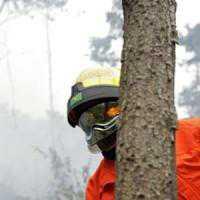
(145, 150)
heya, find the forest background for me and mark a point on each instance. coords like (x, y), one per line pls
(43, 47)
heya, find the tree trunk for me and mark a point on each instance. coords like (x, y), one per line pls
(145, 147)
(11, 82)
(49, 62)
(50, 81)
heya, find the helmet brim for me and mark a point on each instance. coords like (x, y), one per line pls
(88, 97)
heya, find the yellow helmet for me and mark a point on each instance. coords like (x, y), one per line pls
(93, 86)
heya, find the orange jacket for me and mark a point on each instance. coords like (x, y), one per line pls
(101, 184)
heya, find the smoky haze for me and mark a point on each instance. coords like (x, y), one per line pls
(49, 162)
(41, 156)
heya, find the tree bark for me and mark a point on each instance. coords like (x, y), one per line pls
(145, 147)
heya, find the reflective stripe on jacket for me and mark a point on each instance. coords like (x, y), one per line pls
(101, 184)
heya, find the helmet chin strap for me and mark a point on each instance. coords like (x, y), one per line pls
(102, 127)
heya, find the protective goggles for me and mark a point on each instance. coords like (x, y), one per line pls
(99, 122)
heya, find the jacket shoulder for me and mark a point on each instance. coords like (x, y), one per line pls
(104, 174)
(191, 122)
(187, 135)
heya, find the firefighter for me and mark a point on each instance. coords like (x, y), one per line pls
(93, 106)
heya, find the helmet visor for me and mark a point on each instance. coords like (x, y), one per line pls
(99, 121)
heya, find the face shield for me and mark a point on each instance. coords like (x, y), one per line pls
(100, 124)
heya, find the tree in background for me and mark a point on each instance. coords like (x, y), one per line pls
(11, 9)
(11, 80)
(145, 150)
(25, 7)
(101, 48)
(66, 184)
(190, 96)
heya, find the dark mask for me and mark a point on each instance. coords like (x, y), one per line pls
(110, 155)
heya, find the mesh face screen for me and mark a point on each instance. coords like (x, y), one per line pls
(100, 113)
(99, 121)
